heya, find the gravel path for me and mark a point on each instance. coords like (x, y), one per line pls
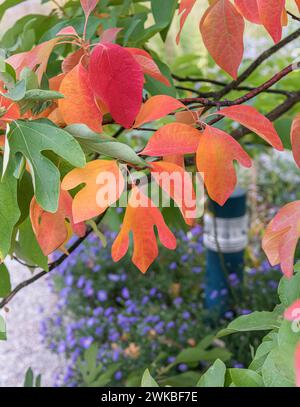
(23, 347)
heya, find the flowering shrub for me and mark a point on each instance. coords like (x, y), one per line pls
(135, 319)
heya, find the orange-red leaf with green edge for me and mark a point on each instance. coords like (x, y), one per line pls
(215, 155)
(118, 81)
(157, 107)
(148, 65)
(173, 138)
(104, 184)
(140, 218)
(295, 139)
(270, 12)
(281, 237)
(37, 58)
(184, 10)
(88, 6)
(293, 311)
(51, 228)
(222, 29)
(248, 9)
(79, 105)
(297, 365)
(72, 60)
(249, 117)
(177, 183)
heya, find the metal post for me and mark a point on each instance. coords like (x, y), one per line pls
(225, 238)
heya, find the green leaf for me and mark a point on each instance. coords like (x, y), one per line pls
(214, 376)
(257, 321)
(9, 212)
(289, 289)
(30, 78)
(186, 379)
(28, 378)
(17, 92)
(2, 329)
(191, 355)
(5, 285)
(147, 380)
(276, 372)
(33, 138)
(27, 247)
(42, 95)
(163, 15)
(246, 378)
(102, 144)
(155, 87)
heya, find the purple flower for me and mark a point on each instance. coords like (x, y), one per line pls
(178, 301)
(214, 294)
(118, 375)
(182, 367)
(196, 269)
(125, 293)
(86, 341)
(173, 266)
(102, 295)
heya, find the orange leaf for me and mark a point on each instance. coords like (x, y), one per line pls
(215, 155)
(189, 116)
(295, 139)
(140, 218)
(281, 237)
(50, 228)
(249, 117)
(248, 9)
(36, 58)
(177, 159)
(9, 110)
(157, 107)
(79, 105)
(298, 4)
(104, 184)
(148, 65)
(270, 12)
(72, 60)
(173, 138)
(184, 10)
(177, 183)
(222, 29)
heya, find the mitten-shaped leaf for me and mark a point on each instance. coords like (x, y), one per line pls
(51, 229)
(281, 237)
(32, 139)
(249, 117)
(104, 184)
(177, 183)
(215, 155)
(117, 80)
(140, 218)
(222, 29)
(79, 104)
(173, 138)
(157, 107)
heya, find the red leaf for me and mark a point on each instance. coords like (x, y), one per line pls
(293, 311)
(215, 155)
(249, 117)
(118, 80)
(157, 107)
(68, 31)
(35, 58)
(222, 29)
(248, 9)
(298, 4)
(88, 6)
(79, 105)
(140, 218)
(109, 35)
(295, 139)
(51, 229)
(177, 183)
(185, 8)
(270, 12)
(10, 109)
(104, 184)
(173, 138)
(281, 237)
(148, 65)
